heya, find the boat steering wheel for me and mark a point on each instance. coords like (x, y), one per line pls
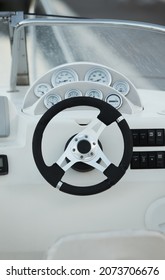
(84, 147)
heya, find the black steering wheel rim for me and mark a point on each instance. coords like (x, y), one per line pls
(54, 173)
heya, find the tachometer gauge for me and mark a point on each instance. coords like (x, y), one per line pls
(95, 93)
(99, 75)
(41, 89)
(114, 100)
(73, 93)
(51, 100)
(64, 76)
(122, 87)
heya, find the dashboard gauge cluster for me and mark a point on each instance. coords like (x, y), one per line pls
(113, 98)
(71, 73)
(86, 89)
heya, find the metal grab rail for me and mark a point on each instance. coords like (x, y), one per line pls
(66, 21)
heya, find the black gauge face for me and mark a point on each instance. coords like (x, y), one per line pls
(64, 76)
(99, 75)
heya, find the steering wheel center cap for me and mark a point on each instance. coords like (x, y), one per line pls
(84, 147)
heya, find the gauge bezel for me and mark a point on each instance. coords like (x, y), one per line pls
(101, 69)
(123, 82)
(115, 94)
(50, 95)
(70, 90)
(56, 73)
(98, 90)
(41, 84)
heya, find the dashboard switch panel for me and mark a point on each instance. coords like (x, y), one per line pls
(148, 137)
(148, 160)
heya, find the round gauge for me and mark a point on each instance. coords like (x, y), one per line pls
(51, 100)
(95, 93)
(99, 75)
(41, 89)
(73, 93)
(64, 76)
(114, 100)
(122, 87)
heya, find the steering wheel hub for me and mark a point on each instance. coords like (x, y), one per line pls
(83, 147)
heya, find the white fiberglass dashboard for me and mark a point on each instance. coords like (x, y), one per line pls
(82, 165)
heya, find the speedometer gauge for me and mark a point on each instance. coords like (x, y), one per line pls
(95, 93)
(99, 75)
(73, 93)
(41, 89)
(122, 87)
(64, 76)
(114, 100)
(51, 100)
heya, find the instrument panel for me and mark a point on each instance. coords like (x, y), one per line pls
(46, 88)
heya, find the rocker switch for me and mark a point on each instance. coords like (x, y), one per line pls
(159, 137)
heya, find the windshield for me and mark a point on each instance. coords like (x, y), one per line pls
(135, 52)
(138, 54)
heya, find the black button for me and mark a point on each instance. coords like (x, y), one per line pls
(160, 137)
(160, 160)
(135, 136)
(143, 138)
(3, 165)
(151, 137)
(143, 160)
(135, 163)
(151, 160)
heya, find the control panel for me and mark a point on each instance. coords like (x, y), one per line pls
(148, 138)
(143, 160)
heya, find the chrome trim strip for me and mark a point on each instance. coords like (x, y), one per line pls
(59, 185)
(120, 119)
